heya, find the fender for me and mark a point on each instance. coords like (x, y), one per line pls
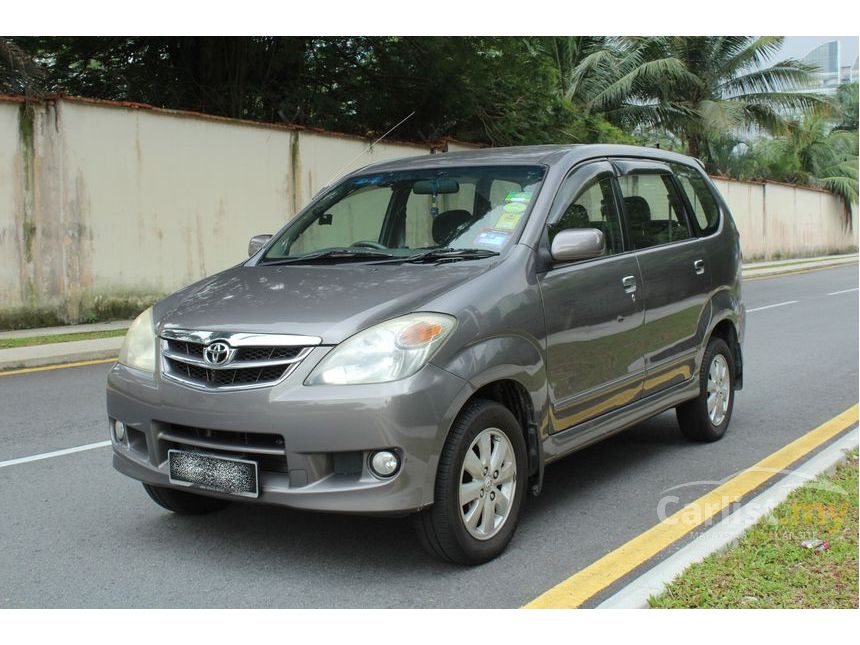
(515, 358)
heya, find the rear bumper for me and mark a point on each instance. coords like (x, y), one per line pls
(322, 427)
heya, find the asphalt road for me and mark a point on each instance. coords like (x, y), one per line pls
(74, 533)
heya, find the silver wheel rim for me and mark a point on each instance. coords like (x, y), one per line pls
(719, 389)
(488, 483)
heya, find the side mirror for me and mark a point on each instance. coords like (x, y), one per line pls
(257, 242)
(574, 244)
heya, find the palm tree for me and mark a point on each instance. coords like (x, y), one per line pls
(695, 88)
(814, 152)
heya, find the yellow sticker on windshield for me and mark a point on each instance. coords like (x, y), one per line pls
(511, 215)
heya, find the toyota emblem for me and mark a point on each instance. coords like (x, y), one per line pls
(216, 353)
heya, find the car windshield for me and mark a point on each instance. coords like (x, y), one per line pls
(465, 213)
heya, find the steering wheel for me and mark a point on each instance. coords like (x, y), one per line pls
(370, 245)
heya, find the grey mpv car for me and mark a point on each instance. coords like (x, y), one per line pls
(429, 333)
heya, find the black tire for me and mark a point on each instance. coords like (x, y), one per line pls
(693, 417)
(184, 503)
(440, 527)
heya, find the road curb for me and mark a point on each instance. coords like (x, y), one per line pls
(59, 353)
(723, 534)
(753, 273)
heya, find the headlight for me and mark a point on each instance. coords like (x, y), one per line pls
(138, 348)
(385, 352)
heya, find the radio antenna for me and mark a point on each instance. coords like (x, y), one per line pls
(369, 148)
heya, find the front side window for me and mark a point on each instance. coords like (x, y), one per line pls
(593, 207)
(398, 213)
(654, 210)
(705, 208)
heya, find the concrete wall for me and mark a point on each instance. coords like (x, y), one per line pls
(103, 200)
(784, 221)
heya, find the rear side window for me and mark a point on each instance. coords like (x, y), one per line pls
(654, 210)
(705, 208)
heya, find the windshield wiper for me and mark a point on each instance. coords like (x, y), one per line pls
(447, 254)
(332, 254)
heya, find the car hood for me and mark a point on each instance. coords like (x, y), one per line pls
(331, 302)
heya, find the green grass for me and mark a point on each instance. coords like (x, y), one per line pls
(768, 567)
(8, 343)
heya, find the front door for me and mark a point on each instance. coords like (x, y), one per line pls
(593, 308)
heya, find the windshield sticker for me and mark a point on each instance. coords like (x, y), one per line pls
(522, 198)
(492, 238)
(511, 215)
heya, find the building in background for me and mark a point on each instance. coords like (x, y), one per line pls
(825, 58)
(850, 74)
(829, 73)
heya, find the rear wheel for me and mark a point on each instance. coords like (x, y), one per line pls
(184, 503)
(706, 417)
(480, 486)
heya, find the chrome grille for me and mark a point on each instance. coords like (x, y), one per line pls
(244, 360)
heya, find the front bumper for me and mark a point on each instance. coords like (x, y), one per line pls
(318, 428)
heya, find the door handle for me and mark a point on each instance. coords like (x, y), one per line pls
(699, 266)
(629, 283)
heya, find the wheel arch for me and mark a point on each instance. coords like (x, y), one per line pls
(726, 328)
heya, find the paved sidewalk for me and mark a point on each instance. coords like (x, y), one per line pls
(102, 348)
(65, 329)
(797, 265)
(59, 353)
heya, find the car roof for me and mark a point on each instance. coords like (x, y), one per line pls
(549, 155)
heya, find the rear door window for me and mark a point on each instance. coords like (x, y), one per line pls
(654, 210)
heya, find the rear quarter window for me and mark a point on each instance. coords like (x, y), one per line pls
(706, 210)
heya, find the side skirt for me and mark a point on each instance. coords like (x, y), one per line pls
(578, 437)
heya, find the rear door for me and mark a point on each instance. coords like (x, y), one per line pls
(593, 309)
(674, 268)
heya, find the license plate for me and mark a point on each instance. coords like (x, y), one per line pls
(214, 472)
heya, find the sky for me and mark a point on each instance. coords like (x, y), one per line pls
(800, 46)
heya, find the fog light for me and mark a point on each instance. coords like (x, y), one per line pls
(384, 463)
(118, 431)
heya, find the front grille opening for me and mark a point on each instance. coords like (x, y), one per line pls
(225, 377)
(252, 365)
(245, 445)
(194, 350)
(248, 354)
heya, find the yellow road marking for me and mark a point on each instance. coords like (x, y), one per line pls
(584, 584)
(46, 368)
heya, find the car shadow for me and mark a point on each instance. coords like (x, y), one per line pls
(320, 543)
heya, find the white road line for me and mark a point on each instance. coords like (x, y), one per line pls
(836, 293)
(56, 453)
(779, 304)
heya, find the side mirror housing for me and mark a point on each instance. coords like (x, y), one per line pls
(574, 244)
(257, 242)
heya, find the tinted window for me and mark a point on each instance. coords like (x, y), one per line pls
(654, 210)
(401, 211)
(705, 207)
(593, 207)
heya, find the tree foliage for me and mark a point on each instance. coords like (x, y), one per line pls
(721, 99)
(484, 89)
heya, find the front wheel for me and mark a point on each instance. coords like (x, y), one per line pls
(706, 417)
(480, 486)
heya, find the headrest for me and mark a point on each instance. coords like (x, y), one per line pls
(446, 223)
(576, 216)
(637, 209)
